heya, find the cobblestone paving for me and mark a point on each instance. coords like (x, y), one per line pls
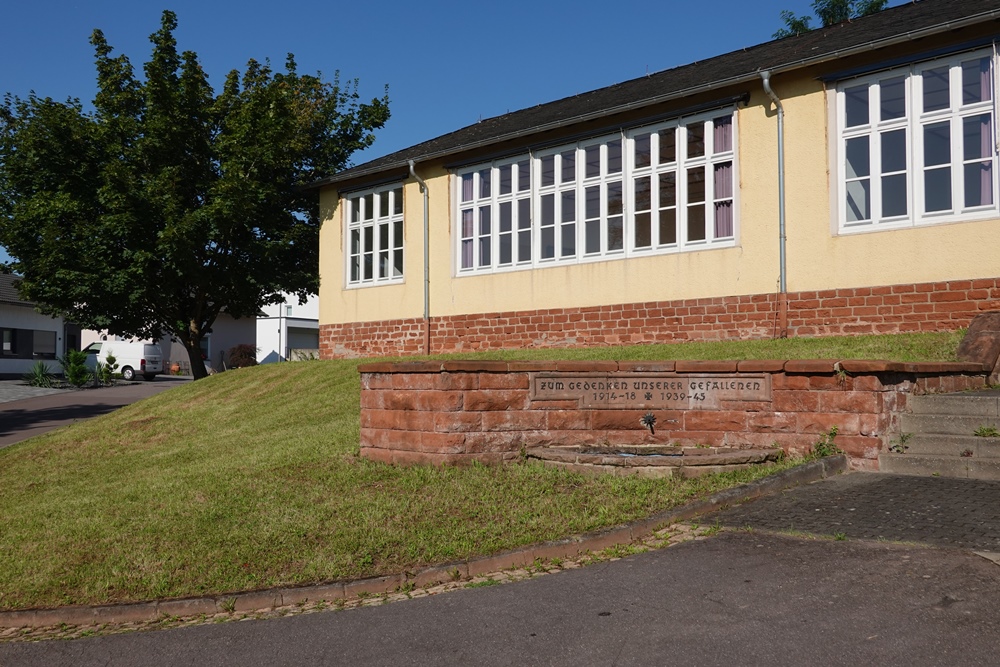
(15, 390)
(937, 511)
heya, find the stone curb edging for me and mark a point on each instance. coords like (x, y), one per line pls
(565, 548)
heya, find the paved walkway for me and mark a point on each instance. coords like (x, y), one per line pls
(28, 413)
(936, 511)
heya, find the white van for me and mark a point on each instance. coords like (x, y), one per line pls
(145, 359)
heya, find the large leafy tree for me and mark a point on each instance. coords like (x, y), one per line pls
(829, 12)
(167, 203)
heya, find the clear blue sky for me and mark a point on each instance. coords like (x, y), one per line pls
(446, 64)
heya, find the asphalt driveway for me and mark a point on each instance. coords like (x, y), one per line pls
(26, 411)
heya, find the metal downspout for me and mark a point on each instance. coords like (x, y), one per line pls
(782, 269)
(427, 260)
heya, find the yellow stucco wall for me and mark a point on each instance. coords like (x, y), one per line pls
(817, 257)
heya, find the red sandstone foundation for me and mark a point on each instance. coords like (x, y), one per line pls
(489, 411)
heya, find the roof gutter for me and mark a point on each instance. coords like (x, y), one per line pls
(694, 90)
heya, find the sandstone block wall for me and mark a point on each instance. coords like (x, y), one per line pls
(458, 411)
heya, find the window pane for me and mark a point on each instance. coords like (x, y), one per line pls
(524, 246)
(383, 204)
(937, 189)
(383, 236)
(668, 227)
(668, 189)
(722, 141)
(643, 188)
(467, 254)
(355, 241)
(893, 151)
(643, 150)
(506, 249)
(568, 206)
(467, 223)
(548, 242)
(593, 202)
(593, 157)
(856, 106)
(643, 231)
(368, 267)
(892, 98)
(355, 268)
(614, 198)
(616, 234)
(397, 234)
(696, 223)
(937, 144)
(615, 156)
(523, 213)
(355, 209)
(894, 195)
(484, 220)
(568, 234)
(485, 257)
(592, 229)
(723, 219)
(397, 199)
(369, 238)
(696, 185)
(383, 264)
(568, 170)
(857, 157)
(978, 137)
(397, 263)
(523, 176)
(723, 181)
(467, 187)
(936, 89)
(976, 81)
(858, 201)
(695, 139)
(506, 179)
(979, 184)
(548, 210)
(484, 183)
(506, 216)
(548, 170)
(668, 146)
(368, 208)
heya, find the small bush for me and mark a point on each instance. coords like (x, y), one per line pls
(242, 355)
(39, 376)
(74, 365)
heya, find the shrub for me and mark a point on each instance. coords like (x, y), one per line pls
(242, 355)
(39, 376)
(105, 373)
(74, 365)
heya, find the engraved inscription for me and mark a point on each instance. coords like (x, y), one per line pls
(642, 391)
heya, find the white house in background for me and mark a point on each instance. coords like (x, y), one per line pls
(227, 332)
(27, 336)
(288, 327)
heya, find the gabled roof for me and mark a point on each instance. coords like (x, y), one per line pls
(905, 22)
(8, 292)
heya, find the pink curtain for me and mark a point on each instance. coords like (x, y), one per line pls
(723, 139)
(723, 184)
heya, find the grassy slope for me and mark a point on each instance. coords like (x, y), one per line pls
(250, 479)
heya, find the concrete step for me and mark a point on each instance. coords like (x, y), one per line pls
(943, 466)
(957, 405)
(945, 423)
(935, 444)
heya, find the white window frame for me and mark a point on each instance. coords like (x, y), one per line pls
(558, 236)
(373, 237)
(913, 124)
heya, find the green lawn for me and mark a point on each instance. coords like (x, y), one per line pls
(251, 479)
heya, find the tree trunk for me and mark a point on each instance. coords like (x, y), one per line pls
(198, 369)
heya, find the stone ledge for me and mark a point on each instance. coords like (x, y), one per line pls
(823, 366)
